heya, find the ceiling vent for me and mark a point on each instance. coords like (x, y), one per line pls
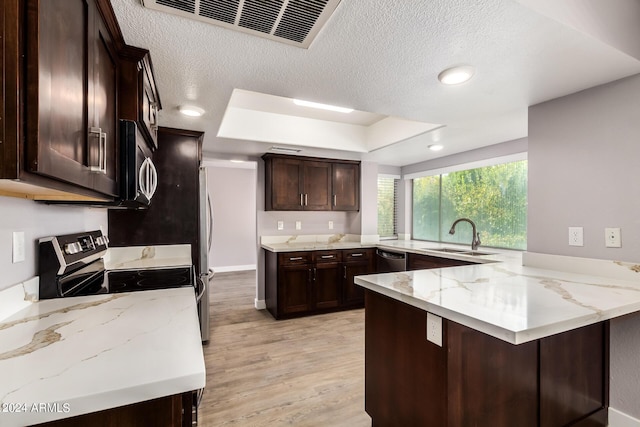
(295, 22)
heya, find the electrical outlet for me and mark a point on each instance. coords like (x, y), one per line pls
(330, 225)
(18, 246)
(298, 225)
(280, 225)
(434, 329)
(612, 238)
(575, 236)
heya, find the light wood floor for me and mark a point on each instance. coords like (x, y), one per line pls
(262, 372)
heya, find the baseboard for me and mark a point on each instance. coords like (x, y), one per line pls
(230, 268)
(259, 304)
(620, 419)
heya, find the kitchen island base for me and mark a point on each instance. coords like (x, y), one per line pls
(478, 380)
(169, 411)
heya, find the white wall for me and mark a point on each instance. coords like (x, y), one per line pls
(233, 200)
(38, 220)
(584, 158)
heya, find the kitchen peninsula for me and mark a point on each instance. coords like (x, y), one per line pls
(520, 344)
(80, 357)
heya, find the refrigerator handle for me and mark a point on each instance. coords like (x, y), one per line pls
(202, 289)
(210, 211)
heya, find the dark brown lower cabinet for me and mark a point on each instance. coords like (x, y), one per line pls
(478, 380)
(169, 411)
(313, 282)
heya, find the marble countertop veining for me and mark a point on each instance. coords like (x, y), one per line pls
(98, 352)
(510, 301)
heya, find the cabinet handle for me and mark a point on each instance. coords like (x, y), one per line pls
(355, 255)
(315, 273)
(301, 203)
(102, 151)
(327, 256)
(310, 275)
(305, 199)
(335, 200)
(345, 271)
(295, 258)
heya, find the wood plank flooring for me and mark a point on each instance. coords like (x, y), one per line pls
(262, 372)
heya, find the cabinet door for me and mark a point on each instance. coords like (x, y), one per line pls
(66, 44)
(285, 186)
(102, 107)
(316, 186)
(57, 42)
(354, 294)
(149, 106)
(326, 285)
(294, 295)
(346, 187)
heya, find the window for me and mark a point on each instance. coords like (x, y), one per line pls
(494, 197)
(387, 206)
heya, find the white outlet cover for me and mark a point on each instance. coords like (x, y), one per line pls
(298, 225)
(280, 225)
(330, 225)
(434, 329)
(576, 236)
(612, 238)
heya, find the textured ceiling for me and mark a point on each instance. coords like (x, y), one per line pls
(381, 56)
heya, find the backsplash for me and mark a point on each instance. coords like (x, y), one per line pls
(38, 220)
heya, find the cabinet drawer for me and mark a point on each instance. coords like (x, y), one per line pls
(294, 258)
(357, 254)
(327, 256)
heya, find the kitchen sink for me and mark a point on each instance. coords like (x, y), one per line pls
(461, 251)
(476, 253)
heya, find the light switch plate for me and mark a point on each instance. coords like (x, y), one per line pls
(280, 225)
(298, 225)
(434, 329)
(18, 246)
(330, 225)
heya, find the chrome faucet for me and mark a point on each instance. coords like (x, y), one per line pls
(475, 242)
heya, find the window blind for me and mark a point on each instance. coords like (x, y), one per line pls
(387, 206)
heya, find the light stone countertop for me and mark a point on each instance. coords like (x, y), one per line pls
(98, 352)
(514, 302)
(511, 295)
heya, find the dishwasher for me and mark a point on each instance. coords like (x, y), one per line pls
(389, 261)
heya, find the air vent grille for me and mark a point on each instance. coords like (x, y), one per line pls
(298, 19)
(188, 6)
(219, 10)
(295, 22)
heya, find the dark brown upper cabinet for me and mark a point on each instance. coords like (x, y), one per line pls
(294, 183)
(60, 100)
(345, 182)
(139, 98)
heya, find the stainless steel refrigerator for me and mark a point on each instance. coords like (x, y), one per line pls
(179, 212)
(206, 237)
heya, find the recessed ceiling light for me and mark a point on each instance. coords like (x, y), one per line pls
(322, 106)
(191, 110)
(435, 147)
(456, 75)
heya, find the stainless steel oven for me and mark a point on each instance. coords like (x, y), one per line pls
(73, 265)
